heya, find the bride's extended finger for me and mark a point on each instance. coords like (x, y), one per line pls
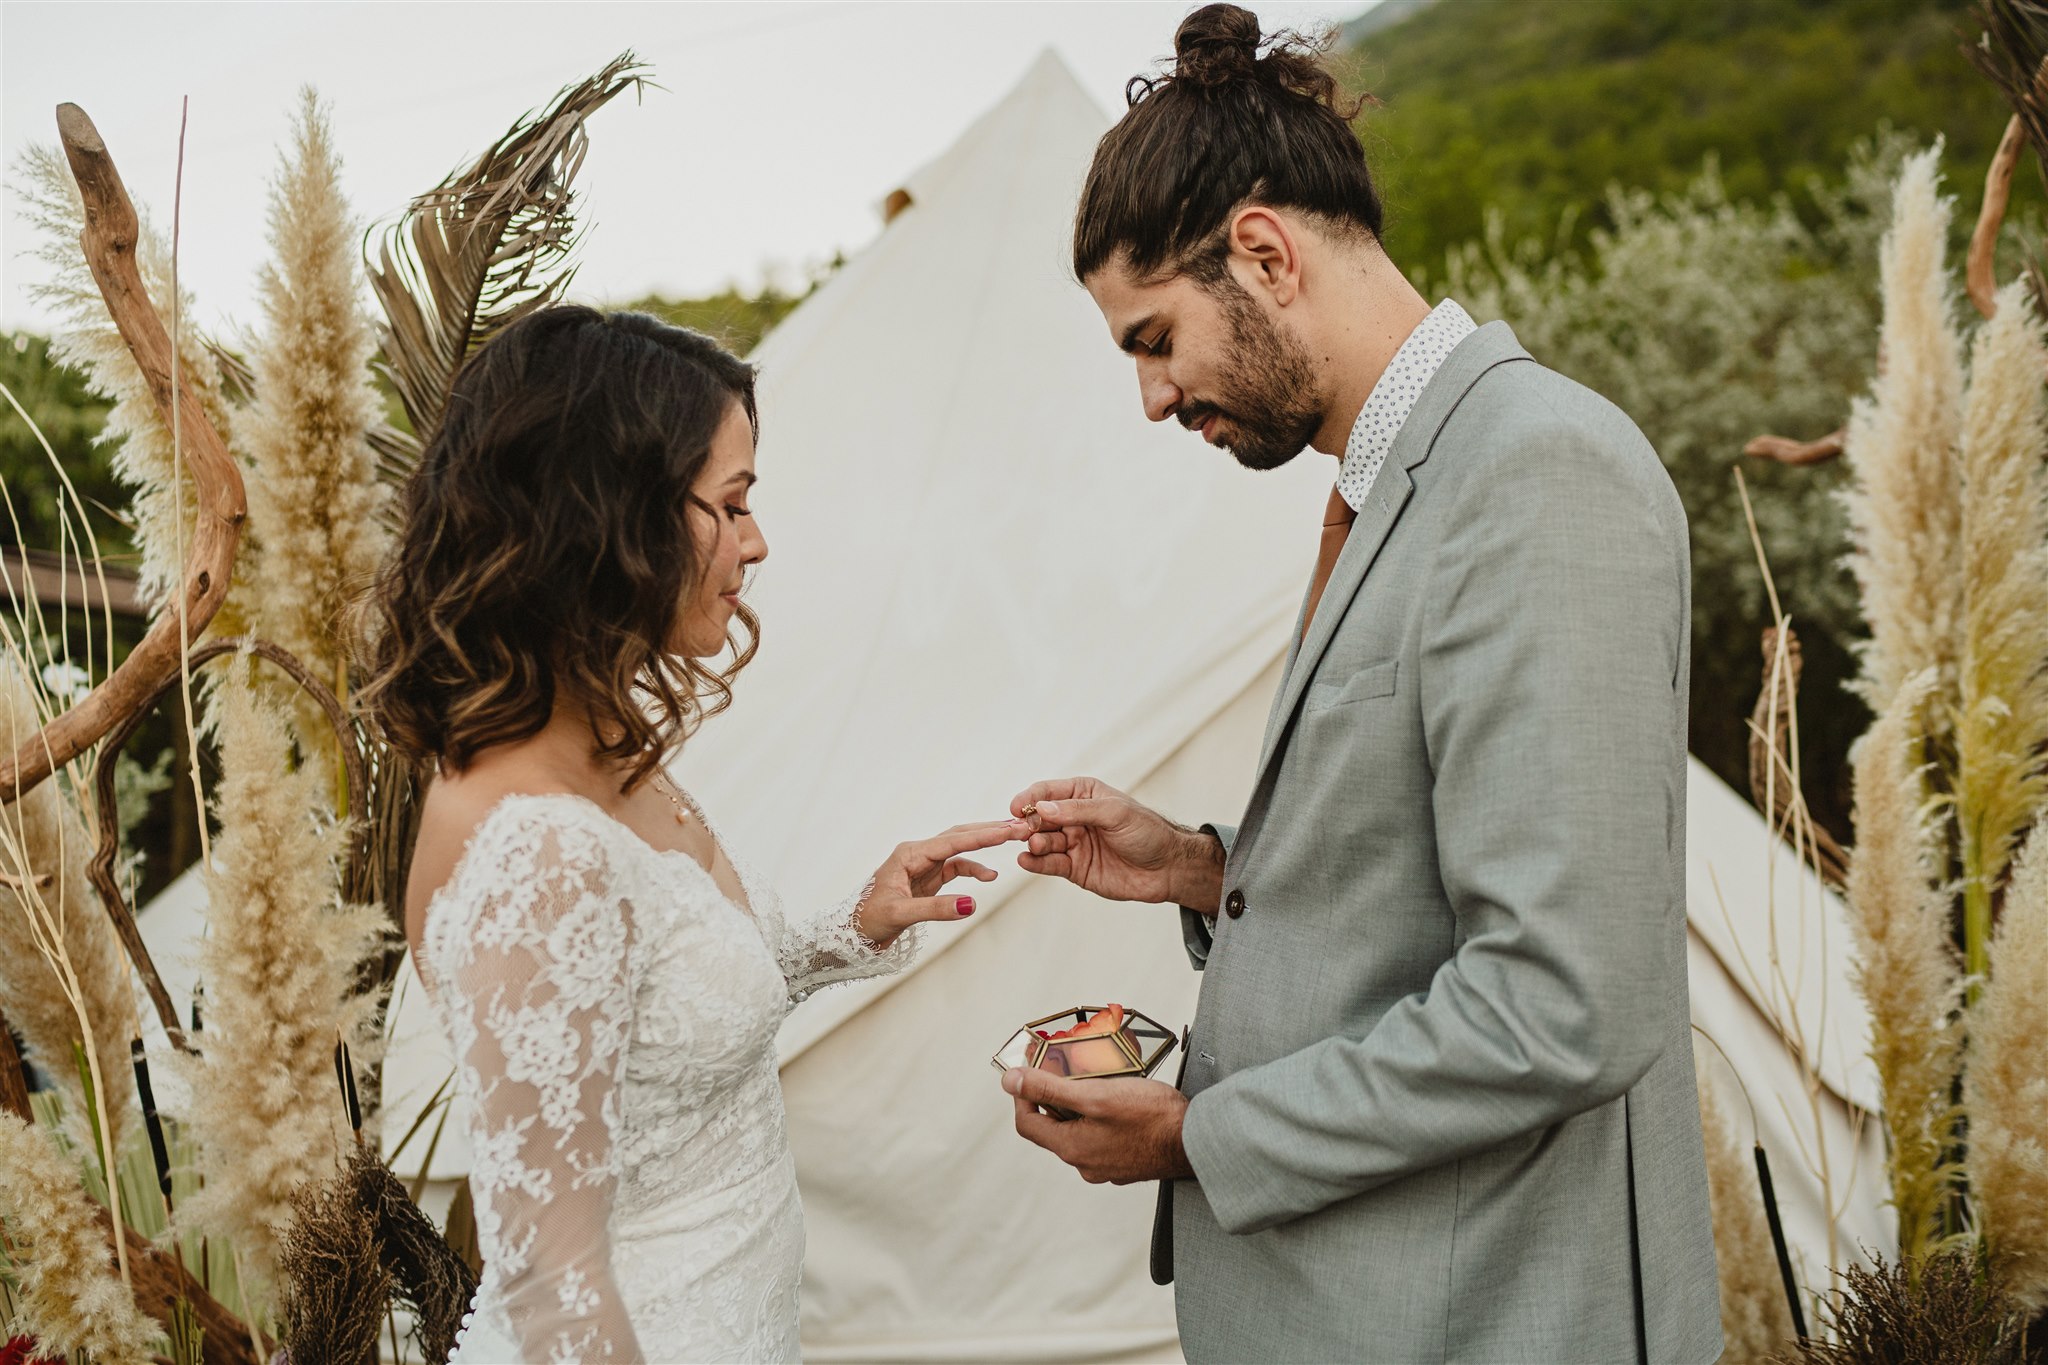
(968, 838)
(966, 867)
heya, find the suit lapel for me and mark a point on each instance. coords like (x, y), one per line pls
(1489, 346)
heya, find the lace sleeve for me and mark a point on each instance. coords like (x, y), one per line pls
(831, 947)
(540, 1001)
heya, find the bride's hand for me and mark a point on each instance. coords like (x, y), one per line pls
(906, 886)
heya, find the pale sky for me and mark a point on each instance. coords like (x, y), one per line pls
(780, 129)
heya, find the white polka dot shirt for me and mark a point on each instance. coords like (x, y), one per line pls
(1393, 398)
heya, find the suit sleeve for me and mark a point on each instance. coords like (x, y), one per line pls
(1197, 930)
(1550, 645)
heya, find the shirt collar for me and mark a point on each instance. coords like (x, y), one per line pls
(1393, 398)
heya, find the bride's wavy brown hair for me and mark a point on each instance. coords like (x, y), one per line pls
(546, 546)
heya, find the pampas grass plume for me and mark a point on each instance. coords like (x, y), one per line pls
(1905, 967)
(44, 837)
(1905, 512)
(2006, 1087)
(69, 1297)
(2002, 724)
(1755, 1320)
(313, 486)
(87, 339)
(279, 966)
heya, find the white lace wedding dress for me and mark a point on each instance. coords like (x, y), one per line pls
(614, 1017)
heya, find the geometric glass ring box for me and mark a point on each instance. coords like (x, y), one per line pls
(1088, 1041)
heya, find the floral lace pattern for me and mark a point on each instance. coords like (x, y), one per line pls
(614, 1016)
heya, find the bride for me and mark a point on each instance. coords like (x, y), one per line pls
(611, 979)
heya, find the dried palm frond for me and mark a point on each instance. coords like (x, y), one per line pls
(2002, 724)
(486, 246)
(280, 965)
(1934, 1312)
(1905, 965)
(1904, 505)
(2011, 56)
(313, 486)
(2006, 1087)
(68, 1296)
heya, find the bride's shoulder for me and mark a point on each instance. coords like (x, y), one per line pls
(498, 825)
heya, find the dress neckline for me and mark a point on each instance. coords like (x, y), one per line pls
(744, 908)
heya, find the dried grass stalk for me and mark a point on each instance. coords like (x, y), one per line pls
(333, 1289)
(428, 1276)
(1933, 1312)
(2002, 723)
(69, 1297)
(313, 485)
(1905, 967)
(1905, 511)
(279, 967)
(43, 837)
(2006, 1087)
(87, 339)
(1755, 1320)
(358, 1244)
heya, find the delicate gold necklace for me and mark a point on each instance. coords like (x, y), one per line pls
(675, 797)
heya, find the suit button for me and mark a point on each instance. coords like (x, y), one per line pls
(1233, 905)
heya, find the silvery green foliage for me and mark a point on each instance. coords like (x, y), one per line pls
(1710, 322)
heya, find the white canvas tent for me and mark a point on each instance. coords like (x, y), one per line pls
(987, 568)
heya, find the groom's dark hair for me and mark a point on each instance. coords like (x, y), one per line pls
(1242, 118)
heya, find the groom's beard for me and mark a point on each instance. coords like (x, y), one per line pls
(1270, 400)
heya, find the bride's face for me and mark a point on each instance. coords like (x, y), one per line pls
(724, 528)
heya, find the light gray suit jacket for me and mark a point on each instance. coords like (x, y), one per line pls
(1443, 1105)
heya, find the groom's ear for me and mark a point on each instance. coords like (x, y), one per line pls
(1265, 254)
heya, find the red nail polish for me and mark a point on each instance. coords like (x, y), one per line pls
(965, 905)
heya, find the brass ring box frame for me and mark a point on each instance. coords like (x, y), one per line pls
(1136, 1049)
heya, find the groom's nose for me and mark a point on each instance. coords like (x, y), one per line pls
(1156, 391)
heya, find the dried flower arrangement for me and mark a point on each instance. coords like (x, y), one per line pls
(258, 1214)
(1947, 885)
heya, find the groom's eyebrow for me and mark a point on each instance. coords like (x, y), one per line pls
(1129, 341)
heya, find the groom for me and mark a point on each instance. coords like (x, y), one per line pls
(1438, 1102)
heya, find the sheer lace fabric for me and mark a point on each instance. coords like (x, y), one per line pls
(613, 1016)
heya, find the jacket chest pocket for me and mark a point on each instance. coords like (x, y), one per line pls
(1367, 684)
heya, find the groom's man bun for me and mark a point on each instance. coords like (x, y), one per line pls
(1242, 117)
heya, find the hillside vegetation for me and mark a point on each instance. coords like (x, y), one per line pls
(1535, 107)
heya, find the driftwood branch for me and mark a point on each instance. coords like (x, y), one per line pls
(102, 865)
(13, 1079)
(1982, 276)
(1770, 746)
(1785, 450)
(109, 240)
(160, 1280)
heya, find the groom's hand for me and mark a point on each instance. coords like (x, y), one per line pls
(1128, 1130)
(1105, 843)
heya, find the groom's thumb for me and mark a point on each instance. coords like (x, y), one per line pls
(1039, 1087)
(1093, 812)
